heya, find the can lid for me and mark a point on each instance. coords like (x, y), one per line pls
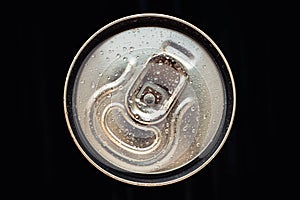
(149, 99)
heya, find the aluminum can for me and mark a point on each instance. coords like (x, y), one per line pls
(149, 99)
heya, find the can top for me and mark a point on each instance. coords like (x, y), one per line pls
(149, 99)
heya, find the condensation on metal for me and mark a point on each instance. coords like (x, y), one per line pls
(149, 100)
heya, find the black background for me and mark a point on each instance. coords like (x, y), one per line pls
(250, 34)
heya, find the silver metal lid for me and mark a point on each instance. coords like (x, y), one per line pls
(149, 99)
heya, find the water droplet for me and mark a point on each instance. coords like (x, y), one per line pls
(157, 167)
(125, 58)
(82, 81)
(101, 52)
(118, 55)
(198, 144)
(185, 127)
(131, 49)
(124, 49)
(93, 56)
(93, 84)
(167, 131)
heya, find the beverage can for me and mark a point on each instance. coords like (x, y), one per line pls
(149, 99)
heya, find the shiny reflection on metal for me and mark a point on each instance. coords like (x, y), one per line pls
(149, 99)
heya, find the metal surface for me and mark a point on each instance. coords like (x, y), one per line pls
(149, 99)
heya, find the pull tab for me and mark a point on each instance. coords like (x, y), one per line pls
(153, 93)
